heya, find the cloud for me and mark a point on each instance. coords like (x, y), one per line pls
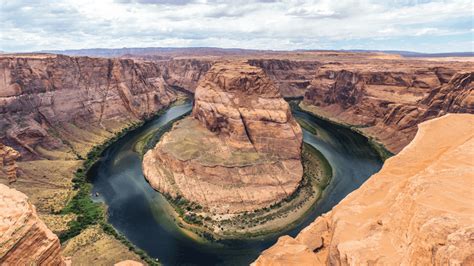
(260, 24)
(156, 2)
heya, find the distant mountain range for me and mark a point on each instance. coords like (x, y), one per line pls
(188, 51)
(417, 54)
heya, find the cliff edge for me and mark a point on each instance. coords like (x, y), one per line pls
(417, 210)
(24, 238)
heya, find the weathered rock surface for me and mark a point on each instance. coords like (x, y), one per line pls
(58, 106)
(53, 110)
(128, 263)
(388, 104)
(290, 76)
(8, 166)
(416, 211)
(240, 150)
(24, 238)
(185, 73)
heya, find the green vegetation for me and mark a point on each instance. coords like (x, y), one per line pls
(308, 126)
(378, 147)
(89, 212)
(383, 153)
(317, 173)
(151, 140)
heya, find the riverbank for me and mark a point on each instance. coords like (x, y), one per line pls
(382, 151)
(200, 222)
(145, 217)
(90, 216)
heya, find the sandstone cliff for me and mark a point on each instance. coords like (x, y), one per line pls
(290, 76)
(24, 238)
(53, 110)
(388, 104)
(185, 73)
(8, 166)
(416, 211)
(58, 107)
(239, 151)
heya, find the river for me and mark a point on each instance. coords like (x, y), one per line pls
(140, 213)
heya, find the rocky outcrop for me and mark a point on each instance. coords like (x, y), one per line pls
(128, 263)
(57, 107)
(292, 77)
(388, 105)
(240, 150)
(24, 238)
(416, 211)
(8, 166)
(185, 73)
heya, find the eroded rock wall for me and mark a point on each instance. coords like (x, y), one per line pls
(58, 106)
(8, 166)
(290, 76)
(388, 105)
(185, 73)
(241, 103)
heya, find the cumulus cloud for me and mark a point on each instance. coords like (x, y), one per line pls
(260, 24)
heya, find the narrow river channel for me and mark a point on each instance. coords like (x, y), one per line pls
(140, 213)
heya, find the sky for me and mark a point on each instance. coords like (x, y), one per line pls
(412, 25)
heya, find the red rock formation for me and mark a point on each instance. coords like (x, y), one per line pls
(416, 211)
(290, 76)
(240, 150)
(24, 238)
(389, 105)
(52, 106)
(185, 73)
(128, 263)
(8, 167)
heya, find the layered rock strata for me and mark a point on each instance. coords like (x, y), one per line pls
(389, 105)
(416, 211)
(240, 149)
(58, 106)
(53, 110)
(290, 76)
(8, 166)
(24, 238)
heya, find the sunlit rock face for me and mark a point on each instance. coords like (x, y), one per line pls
(416, 211)
(238, 151)
(24, 238)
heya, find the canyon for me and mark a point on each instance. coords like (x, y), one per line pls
(54, 109)
(239, 151)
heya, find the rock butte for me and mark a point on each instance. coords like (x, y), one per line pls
(239, 151)
(418, 210)
(24, 238)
